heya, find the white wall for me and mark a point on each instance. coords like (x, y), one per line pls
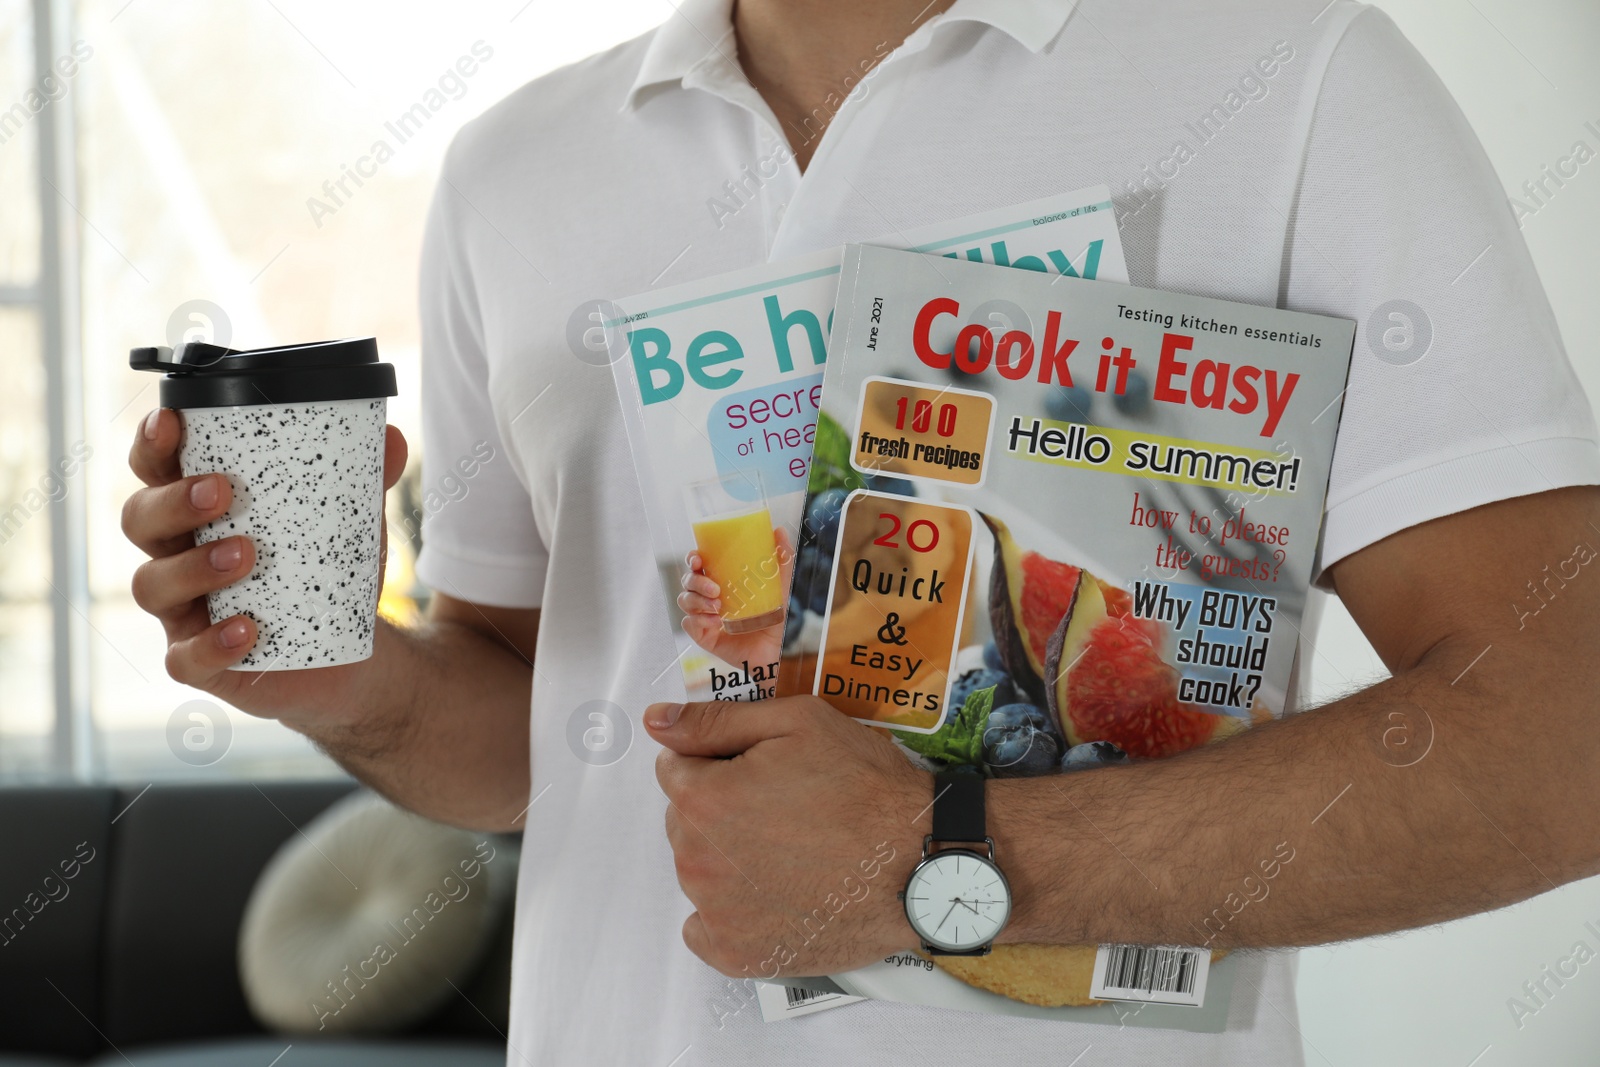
(1525, 73)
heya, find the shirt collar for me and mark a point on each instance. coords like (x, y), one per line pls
(1032, 23)
(699, 34)
(699, 39)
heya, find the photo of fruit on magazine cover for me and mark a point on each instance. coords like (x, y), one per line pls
(720, 381)
(1073, 543)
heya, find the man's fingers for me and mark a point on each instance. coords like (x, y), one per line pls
(199, 659)
(694, 935)
(723, 727)
(395, 451)
(154, 455)
(157, 519)
(166, 586)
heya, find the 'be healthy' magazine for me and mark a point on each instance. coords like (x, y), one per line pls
(720, 381)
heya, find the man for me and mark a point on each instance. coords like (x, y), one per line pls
(1276, 153)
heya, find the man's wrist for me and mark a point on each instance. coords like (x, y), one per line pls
(1017, 810)
(366, 711)
(909, 820)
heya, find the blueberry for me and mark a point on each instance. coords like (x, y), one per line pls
(1019, 746)
(1135, 396)
(792, 622)
(819, 572)
(974, 680)
(882, 483)
(822, 517)
(808, 573)
(1006, 752)
(804, 564)
(1092, 754)
(1013, 716)
(1066, 403)
(991, 658)
(817, 602)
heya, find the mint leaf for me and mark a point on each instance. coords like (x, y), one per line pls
(830, 459)
(959, 741)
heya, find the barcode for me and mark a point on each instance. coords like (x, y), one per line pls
(797, 997)
(784, 1002)
(1148, 969)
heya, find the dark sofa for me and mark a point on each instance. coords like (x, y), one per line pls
(119, 920)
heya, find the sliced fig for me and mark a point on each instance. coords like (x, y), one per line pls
(1066, 646)
(1119, 601)
(1029, 595)
(1109, 682)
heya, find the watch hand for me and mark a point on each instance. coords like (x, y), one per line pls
(936, 929)
(964, 904)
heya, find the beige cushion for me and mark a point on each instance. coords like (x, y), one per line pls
(361, 923)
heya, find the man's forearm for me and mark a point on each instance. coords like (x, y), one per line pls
(1322, 827)
(438, 723)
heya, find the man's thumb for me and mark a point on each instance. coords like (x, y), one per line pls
(714, 727)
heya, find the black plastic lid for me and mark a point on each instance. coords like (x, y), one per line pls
(200, 375)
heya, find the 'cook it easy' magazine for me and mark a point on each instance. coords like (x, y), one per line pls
(720, 382)
(1077, 541)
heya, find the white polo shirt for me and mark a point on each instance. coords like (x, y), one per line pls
(1279, 153)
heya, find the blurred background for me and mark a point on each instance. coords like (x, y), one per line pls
(162, 177)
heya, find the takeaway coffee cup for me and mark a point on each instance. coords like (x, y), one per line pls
(298, 431)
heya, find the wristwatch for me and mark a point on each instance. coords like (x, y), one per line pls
(957, 900)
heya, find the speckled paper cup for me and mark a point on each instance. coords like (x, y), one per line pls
(305, 461)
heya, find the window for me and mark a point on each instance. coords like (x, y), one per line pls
(185, 197)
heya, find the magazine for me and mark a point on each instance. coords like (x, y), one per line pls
(720, 382)
(1058, 546)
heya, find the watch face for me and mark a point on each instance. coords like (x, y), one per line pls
(957, 900)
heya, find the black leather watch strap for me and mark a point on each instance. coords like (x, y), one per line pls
(958, 807)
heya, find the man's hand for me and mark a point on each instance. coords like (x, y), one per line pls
(161, 519)
(436, 719)
(792, 830)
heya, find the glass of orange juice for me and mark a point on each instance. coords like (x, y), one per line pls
(738, 548)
